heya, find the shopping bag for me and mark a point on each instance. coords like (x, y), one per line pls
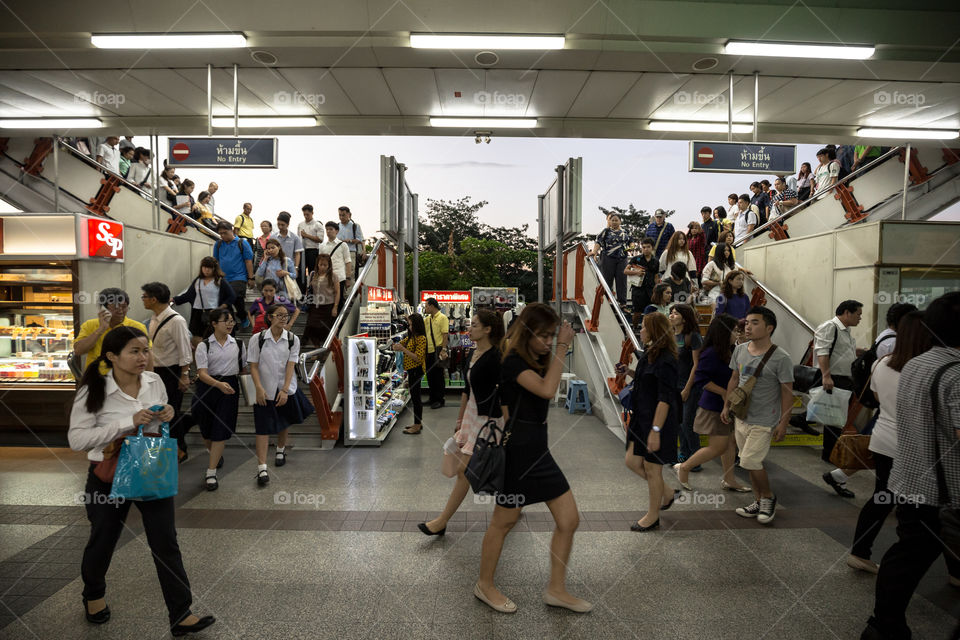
(828, 408)
(451, 459)
(293, 290)
(147, 466)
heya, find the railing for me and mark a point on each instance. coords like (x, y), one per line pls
(617, 311)
(146, 194)
(817, 196)
(780, 301)
(320, 355)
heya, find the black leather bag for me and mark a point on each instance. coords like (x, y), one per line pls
(487, 465)
(806, 378)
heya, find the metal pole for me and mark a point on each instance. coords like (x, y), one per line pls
(56, 173)
(558, 264)
(416, 248)
(155, 143)
(906, 177)
(756, 102)
(209, 100)
(236, 102)
(730, 110)
(401, 238)
(540, 249)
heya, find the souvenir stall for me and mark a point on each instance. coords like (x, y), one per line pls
(456, 305)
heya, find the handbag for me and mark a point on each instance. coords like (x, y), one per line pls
(487, 465)
(852, 451)
(293, 290)
(828, 408)
(146, 466)
(106, 468)
(739, 398)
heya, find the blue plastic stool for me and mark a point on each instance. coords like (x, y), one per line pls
(577, 397)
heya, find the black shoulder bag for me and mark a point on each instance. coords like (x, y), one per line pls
(487, 465)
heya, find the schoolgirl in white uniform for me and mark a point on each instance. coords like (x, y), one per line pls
(273, 355)
(220, 361)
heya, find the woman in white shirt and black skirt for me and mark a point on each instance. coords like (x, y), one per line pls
(208, 291)
(107, 408)
(220, 361)
(273, 355)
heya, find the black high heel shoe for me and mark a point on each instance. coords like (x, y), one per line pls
(426, 530)
(201, 624)
(96, 618)
(636, 526)
(669, 504)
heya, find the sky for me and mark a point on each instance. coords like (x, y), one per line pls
(509, 173)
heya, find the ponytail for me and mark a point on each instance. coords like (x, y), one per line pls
(95, 383)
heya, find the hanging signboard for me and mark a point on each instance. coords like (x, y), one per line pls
(743, 157)
(565, 193)
(446, 297)
(219, 153)
(379, 294)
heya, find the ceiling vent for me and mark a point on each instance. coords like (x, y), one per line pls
(486, 58)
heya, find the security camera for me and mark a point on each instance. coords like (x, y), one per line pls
(477, 140)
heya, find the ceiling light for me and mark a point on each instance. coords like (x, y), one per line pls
(169, 40)
(51, 123)
(926, 134)
(266, 122)
(799, 50)
(706, 127)
(478, 41)
(502, 123)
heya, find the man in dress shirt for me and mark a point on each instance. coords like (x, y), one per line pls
(172, 354)
(108, 155)
(311, 231)
(339, 257)
(836, 350)
(290, 242)
(352, 234)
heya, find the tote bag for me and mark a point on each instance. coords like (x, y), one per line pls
(828, 408)
(146, 466)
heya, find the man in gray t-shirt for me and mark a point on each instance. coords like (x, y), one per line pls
(770, 404)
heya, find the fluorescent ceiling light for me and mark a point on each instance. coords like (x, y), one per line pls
(51, 123)
(799, 50)
(707, 127)
(465, 41)
(168, 40)
(495, 123)
(927, 134)
(266, 122)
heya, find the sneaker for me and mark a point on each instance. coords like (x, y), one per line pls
(862, 564)
(768, 509)
(750, 511)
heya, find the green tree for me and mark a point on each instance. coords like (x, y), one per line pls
(449, 222)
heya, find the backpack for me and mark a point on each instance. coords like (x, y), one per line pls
(263, 338)
(260, 323)
(861, 371)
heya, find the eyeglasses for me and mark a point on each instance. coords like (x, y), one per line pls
(281, 317)
(228, 321)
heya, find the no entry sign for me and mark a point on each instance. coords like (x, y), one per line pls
(180, 151)
(741, 157)
(705, 155)
(217, 153)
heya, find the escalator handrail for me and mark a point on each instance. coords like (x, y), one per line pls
(817, 196)
(146, 194)
(779, 300)
(617, 311)
(320, 354)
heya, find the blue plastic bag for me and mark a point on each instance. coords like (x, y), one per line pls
(147, 466)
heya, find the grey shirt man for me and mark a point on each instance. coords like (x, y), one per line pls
(765, 399)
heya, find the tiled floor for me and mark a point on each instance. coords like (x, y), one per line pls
(330, 550)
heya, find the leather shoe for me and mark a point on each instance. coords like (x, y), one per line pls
(426, 530)
(841, 489)
(436, 405)
(636, 526)
(96, 618)
(199, 625)
(664, 507)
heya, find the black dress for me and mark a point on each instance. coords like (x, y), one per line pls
(654, 383)
(531, 474)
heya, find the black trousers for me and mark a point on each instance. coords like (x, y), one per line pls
(875, 511)
(310, 264)
(171, 382)
(612, 270)
(919, 544)
(106, 525)
(414, 376)
(435, 379)
(831, 433)
(239, 301)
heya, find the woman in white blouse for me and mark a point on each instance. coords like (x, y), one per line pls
(107, 408)
(677, 251)
(714, 272)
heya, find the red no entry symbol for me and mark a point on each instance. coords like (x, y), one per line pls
(181, 151)
(705, 155)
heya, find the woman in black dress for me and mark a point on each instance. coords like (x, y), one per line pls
(529, 377)
(653, 431)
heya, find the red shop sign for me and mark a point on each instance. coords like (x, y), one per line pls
(379, 294)
(446, 297)
(104, 239)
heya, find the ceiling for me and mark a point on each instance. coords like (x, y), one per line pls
(350, 64)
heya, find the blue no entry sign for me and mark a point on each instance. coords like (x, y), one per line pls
(740, 157)
(217, 153)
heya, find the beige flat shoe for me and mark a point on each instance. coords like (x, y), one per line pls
(506, 607)
(581, 606)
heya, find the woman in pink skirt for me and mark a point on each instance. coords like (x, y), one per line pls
(479, 403)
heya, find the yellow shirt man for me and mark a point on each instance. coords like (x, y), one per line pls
(89, 327)
(437, 325)
(244, 226)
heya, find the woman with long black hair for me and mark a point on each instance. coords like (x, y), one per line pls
(529, 376)
(209, 290)
(716, 270)
(414, 350)
(108, 407)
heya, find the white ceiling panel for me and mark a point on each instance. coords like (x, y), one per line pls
(25, 96)
(320, 89)
(106, 96)
(470, 84)
(368, 91)
(647, 94)
(601, 93)
(151, 94)
(507, 92)
(185, 97)
(415, 90)
(554, 92)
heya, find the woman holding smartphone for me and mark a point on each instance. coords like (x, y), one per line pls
(106, 408)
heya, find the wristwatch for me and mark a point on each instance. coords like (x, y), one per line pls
(656, 429)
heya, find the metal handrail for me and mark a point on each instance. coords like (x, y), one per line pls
(321, 353)
(617, 311)
(150, 196)
(817, 196)
(780, 301)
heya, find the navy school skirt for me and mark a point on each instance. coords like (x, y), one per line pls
(271, 419)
